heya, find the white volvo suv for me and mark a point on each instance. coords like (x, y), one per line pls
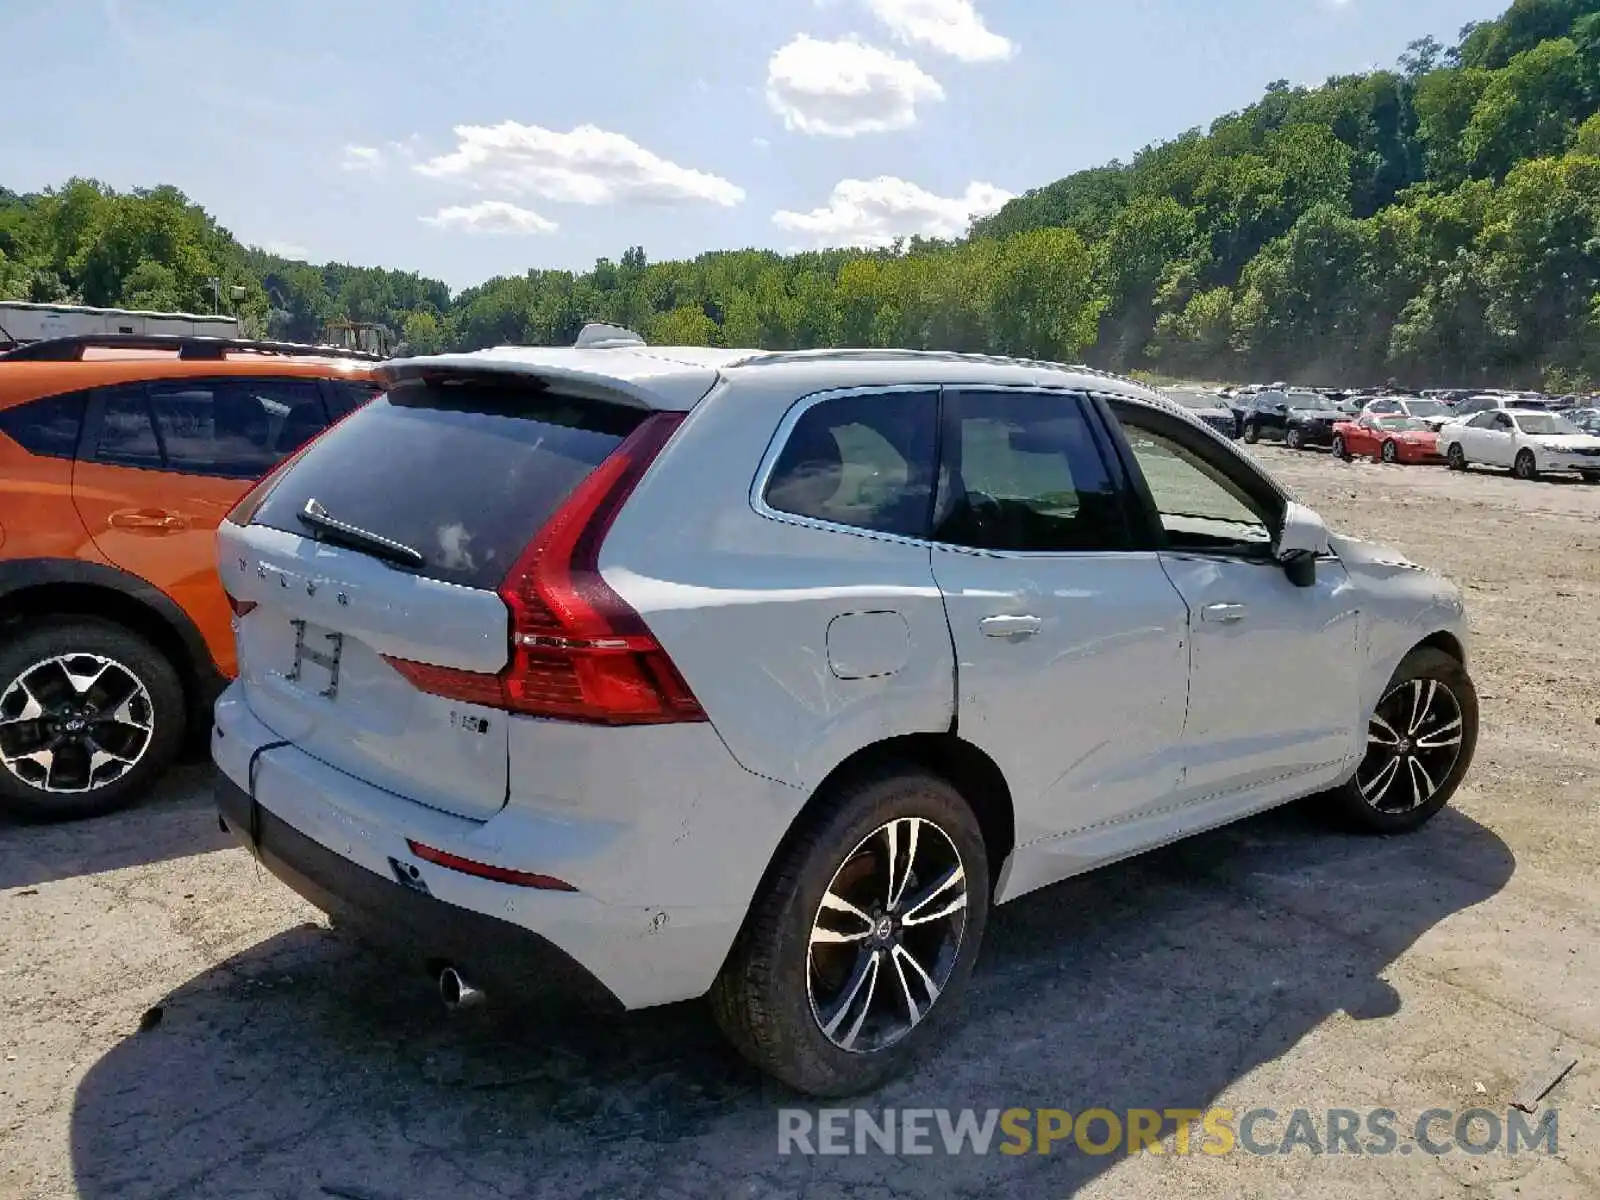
(653, 672)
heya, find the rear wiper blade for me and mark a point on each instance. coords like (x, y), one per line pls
(316, 516)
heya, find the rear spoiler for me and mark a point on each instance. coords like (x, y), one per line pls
(677, 387)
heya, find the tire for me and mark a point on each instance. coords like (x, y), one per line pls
(775, 994)
(1399, 806)
(1525, 466)
(1390, 453)
(1252, 434)
(1456, 458)
(133, 681)
(1340, 450)
(1294, 438)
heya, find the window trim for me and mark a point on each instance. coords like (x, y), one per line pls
(1101, 429)
(1222, 456)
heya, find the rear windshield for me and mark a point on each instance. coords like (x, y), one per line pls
(463, 474)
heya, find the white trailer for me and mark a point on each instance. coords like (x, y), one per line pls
(21, 323)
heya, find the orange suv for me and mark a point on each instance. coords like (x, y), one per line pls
(118, 458)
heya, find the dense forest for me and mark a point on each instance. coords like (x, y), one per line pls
(1437, 223)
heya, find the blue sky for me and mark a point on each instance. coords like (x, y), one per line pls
(484, 137)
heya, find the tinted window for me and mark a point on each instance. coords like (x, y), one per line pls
(865, 461)
(48, 427)
(1023, 471)
(236, 428)
(1473, 406)
(464, 474)
(348, 396)
(126, 436)
(1501, 421)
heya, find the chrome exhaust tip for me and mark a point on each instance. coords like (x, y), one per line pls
(456, 992)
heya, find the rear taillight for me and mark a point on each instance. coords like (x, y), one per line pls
(578, 651)
(240, 607)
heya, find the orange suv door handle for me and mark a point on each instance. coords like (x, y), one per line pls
(154, 519)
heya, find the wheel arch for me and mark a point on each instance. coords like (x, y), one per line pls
(1443, 640)
(964, 766)
(31, 588)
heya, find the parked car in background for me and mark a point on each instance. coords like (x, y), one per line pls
(1586, 419)
(1390, 439)
(1298, 418)
(1206, 406)
(1238, 402)
(119, 456)
(1529, 443)
(633, 671)
(1492, 401)
(1434, 412)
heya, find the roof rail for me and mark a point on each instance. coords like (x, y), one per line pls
(70, 349)
(597, 336)
(772, 357)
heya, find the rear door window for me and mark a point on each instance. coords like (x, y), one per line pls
(127, 435)
(1024, 471)
(464, 474)
(349, 396)
(238, 428)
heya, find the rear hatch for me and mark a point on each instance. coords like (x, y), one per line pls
(373, 562)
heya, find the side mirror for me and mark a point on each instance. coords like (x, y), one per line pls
(1302, 540)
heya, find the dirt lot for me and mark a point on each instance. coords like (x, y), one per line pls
(1274, 964)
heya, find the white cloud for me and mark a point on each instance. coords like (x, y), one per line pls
(490, 216)
(286, 249)
(844, 88)
(586, 166)
(362, 158)
(951, 27)
(874, 212)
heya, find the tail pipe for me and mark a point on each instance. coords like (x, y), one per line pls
(456, 992)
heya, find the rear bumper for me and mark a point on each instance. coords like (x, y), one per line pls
(344, 844)
(493, 954)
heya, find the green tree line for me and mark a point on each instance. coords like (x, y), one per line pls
(1438, 222)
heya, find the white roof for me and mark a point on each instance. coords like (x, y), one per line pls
(677, 377)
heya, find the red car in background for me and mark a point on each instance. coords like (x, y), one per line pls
(1390, 439)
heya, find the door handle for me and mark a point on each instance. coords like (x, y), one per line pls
(144, 518)
(1009, 627)
(1226, 614)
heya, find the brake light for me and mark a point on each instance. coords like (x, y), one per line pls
(528, 879)
(240, 607)
(578, 651)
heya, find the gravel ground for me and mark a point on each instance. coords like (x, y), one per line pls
(1274, 964)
